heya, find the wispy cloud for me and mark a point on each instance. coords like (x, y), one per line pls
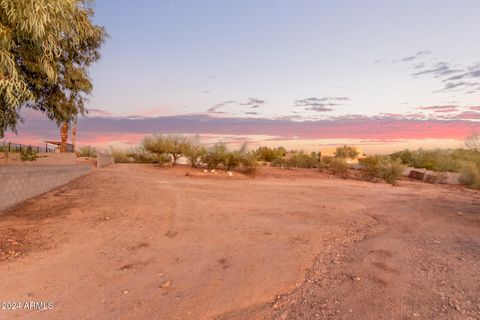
(471, 73)
(440, 109)
(253, 103)
(440, 69)
(323, 104)
(418, 55)
(453, 76)
(215, 108)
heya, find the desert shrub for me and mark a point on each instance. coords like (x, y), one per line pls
(339, 166)
(279, 162)
(270, 154)
(175, 145)
(215, 155)
(119, 155)
(346, 152)
(371, 168)
(302, 160)
(28, 154)
(194, 152)
(449, 160)
(164, 159)
(248, 163)
(156, 144)
(382, 167)
(390, 170)
(140, 155)
(470, 175)
(232, 159)
(324, 163)
(218, 155)
(87, 151)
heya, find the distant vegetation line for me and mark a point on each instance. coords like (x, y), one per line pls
(167, 149)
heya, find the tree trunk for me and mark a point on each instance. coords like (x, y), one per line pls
(74, 135)
(64, 137)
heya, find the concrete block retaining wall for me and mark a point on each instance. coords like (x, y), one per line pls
(50, 158)
(429, 175)
(104, 159)
(19, 183)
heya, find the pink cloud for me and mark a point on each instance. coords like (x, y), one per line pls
(129, 130)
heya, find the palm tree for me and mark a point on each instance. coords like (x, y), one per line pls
(64, 137)
(74, 135)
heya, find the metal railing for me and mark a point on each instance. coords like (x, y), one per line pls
(17, 147)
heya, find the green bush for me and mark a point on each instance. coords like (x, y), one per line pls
(470, 175)
(164, 159)
(87, 151)
(346, 152)
(302, 160)
(248, 163)
(382, 167)
(371, 168)
(279, 162)
(391, 170)
(339, 166)
(449, 160)
(194, 153)
(175, 145)
(28, 154)
(140, 155)
(270, 154)
(219, 156)
(120, 156)
(215, 155)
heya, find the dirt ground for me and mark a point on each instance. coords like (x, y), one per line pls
(143, 242)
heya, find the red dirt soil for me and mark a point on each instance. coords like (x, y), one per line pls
(142, 242)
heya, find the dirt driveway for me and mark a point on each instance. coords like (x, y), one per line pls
(142, 242)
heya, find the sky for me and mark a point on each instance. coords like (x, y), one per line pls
(383, 75)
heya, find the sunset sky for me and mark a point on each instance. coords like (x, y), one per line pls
(384, 75)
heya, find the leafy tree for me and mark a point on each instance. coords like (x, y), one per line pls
(346, 152)
(157, 144)
(140, 155)
(46, 48)
(171, 145)
(177, 145)
(270, 154)
(215, 155)
(194, 152)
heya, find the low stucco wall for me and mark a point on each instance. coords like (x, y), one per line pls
(50, 158)
(104, 159)
(19, 183)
